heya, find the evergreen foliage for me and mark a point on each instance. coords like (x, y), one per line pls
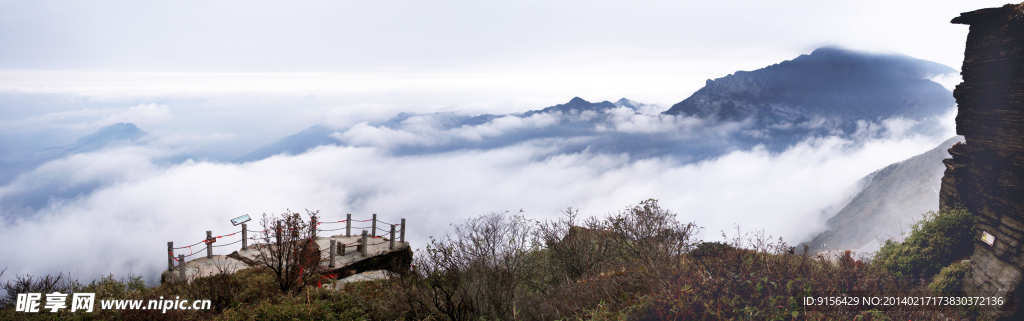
(935, 242)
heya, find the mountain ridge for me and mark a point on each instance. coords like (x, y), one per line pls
(829, 92)
(827, 83)
(110, 135)
(319, 134)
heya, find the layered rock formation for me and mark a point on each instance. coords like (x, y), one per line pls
(986, 174)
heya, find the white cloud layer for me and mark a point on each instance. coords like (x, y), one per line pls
(90, 119)
(138, 205)
(626, 120)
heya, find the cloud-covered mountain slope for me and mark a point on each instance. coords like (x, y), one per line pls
(893, 198)
(830, 92)
(825, 92)
(623, 126)
(43, 188)
(292, 145)
(111, 135)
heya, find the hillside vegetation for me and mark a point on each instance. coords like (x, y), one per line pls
(639, 263)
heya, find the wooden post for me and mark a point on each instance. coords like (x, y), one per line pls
(314, 228)
(365, 245)
(245, 240)
(209, 244)
(392, 237)
(348, 225)
(342, 248)
(333, 244)
(402, 238)
(373, 227)
(277, 234)
(181, 267)
(170, 256)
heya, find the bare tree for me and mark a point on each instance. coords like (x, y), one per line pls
(652, 235)
(480, 269)
(289, 248)
(577, 251)
(507, 267)
(29, 283)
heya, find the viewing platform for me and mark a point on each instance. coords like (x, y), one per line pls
(342, 254)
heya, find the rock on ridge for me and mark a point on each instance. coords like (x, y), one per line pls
(986, 174)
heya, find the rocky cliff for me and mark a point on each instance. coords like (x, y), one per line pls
(986, 174)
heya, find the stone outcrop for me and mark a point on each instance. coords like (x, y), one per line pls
(986, 174)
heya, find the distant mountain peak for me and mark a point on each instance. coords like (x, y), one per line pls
(834, 50)
(831, 83)
(626, 103)
(577, 100)
(576, 103)
(111, 134)
(118, 131)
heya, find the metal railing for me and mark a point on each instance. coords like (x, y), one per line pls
(361, 243)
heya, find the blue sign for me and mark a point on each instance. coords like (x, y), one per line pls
(240, 219)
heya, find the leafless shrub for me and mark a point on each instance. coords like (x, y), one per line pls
(477, 271)
(508, 267)
(575, 251)
(33, 284)
(289, 248)
(638, 264)
(611, 263)
(652, 236)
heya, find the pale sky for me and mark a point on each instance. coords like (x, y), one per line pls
(345, 36)
(658, 51)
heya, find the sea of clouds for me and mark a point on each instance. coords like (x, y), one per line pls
(113, 210)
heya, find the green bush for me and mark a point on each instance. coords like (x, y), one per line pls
(109, 288)
(935, 242)
(312, 304)
(950, 278)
